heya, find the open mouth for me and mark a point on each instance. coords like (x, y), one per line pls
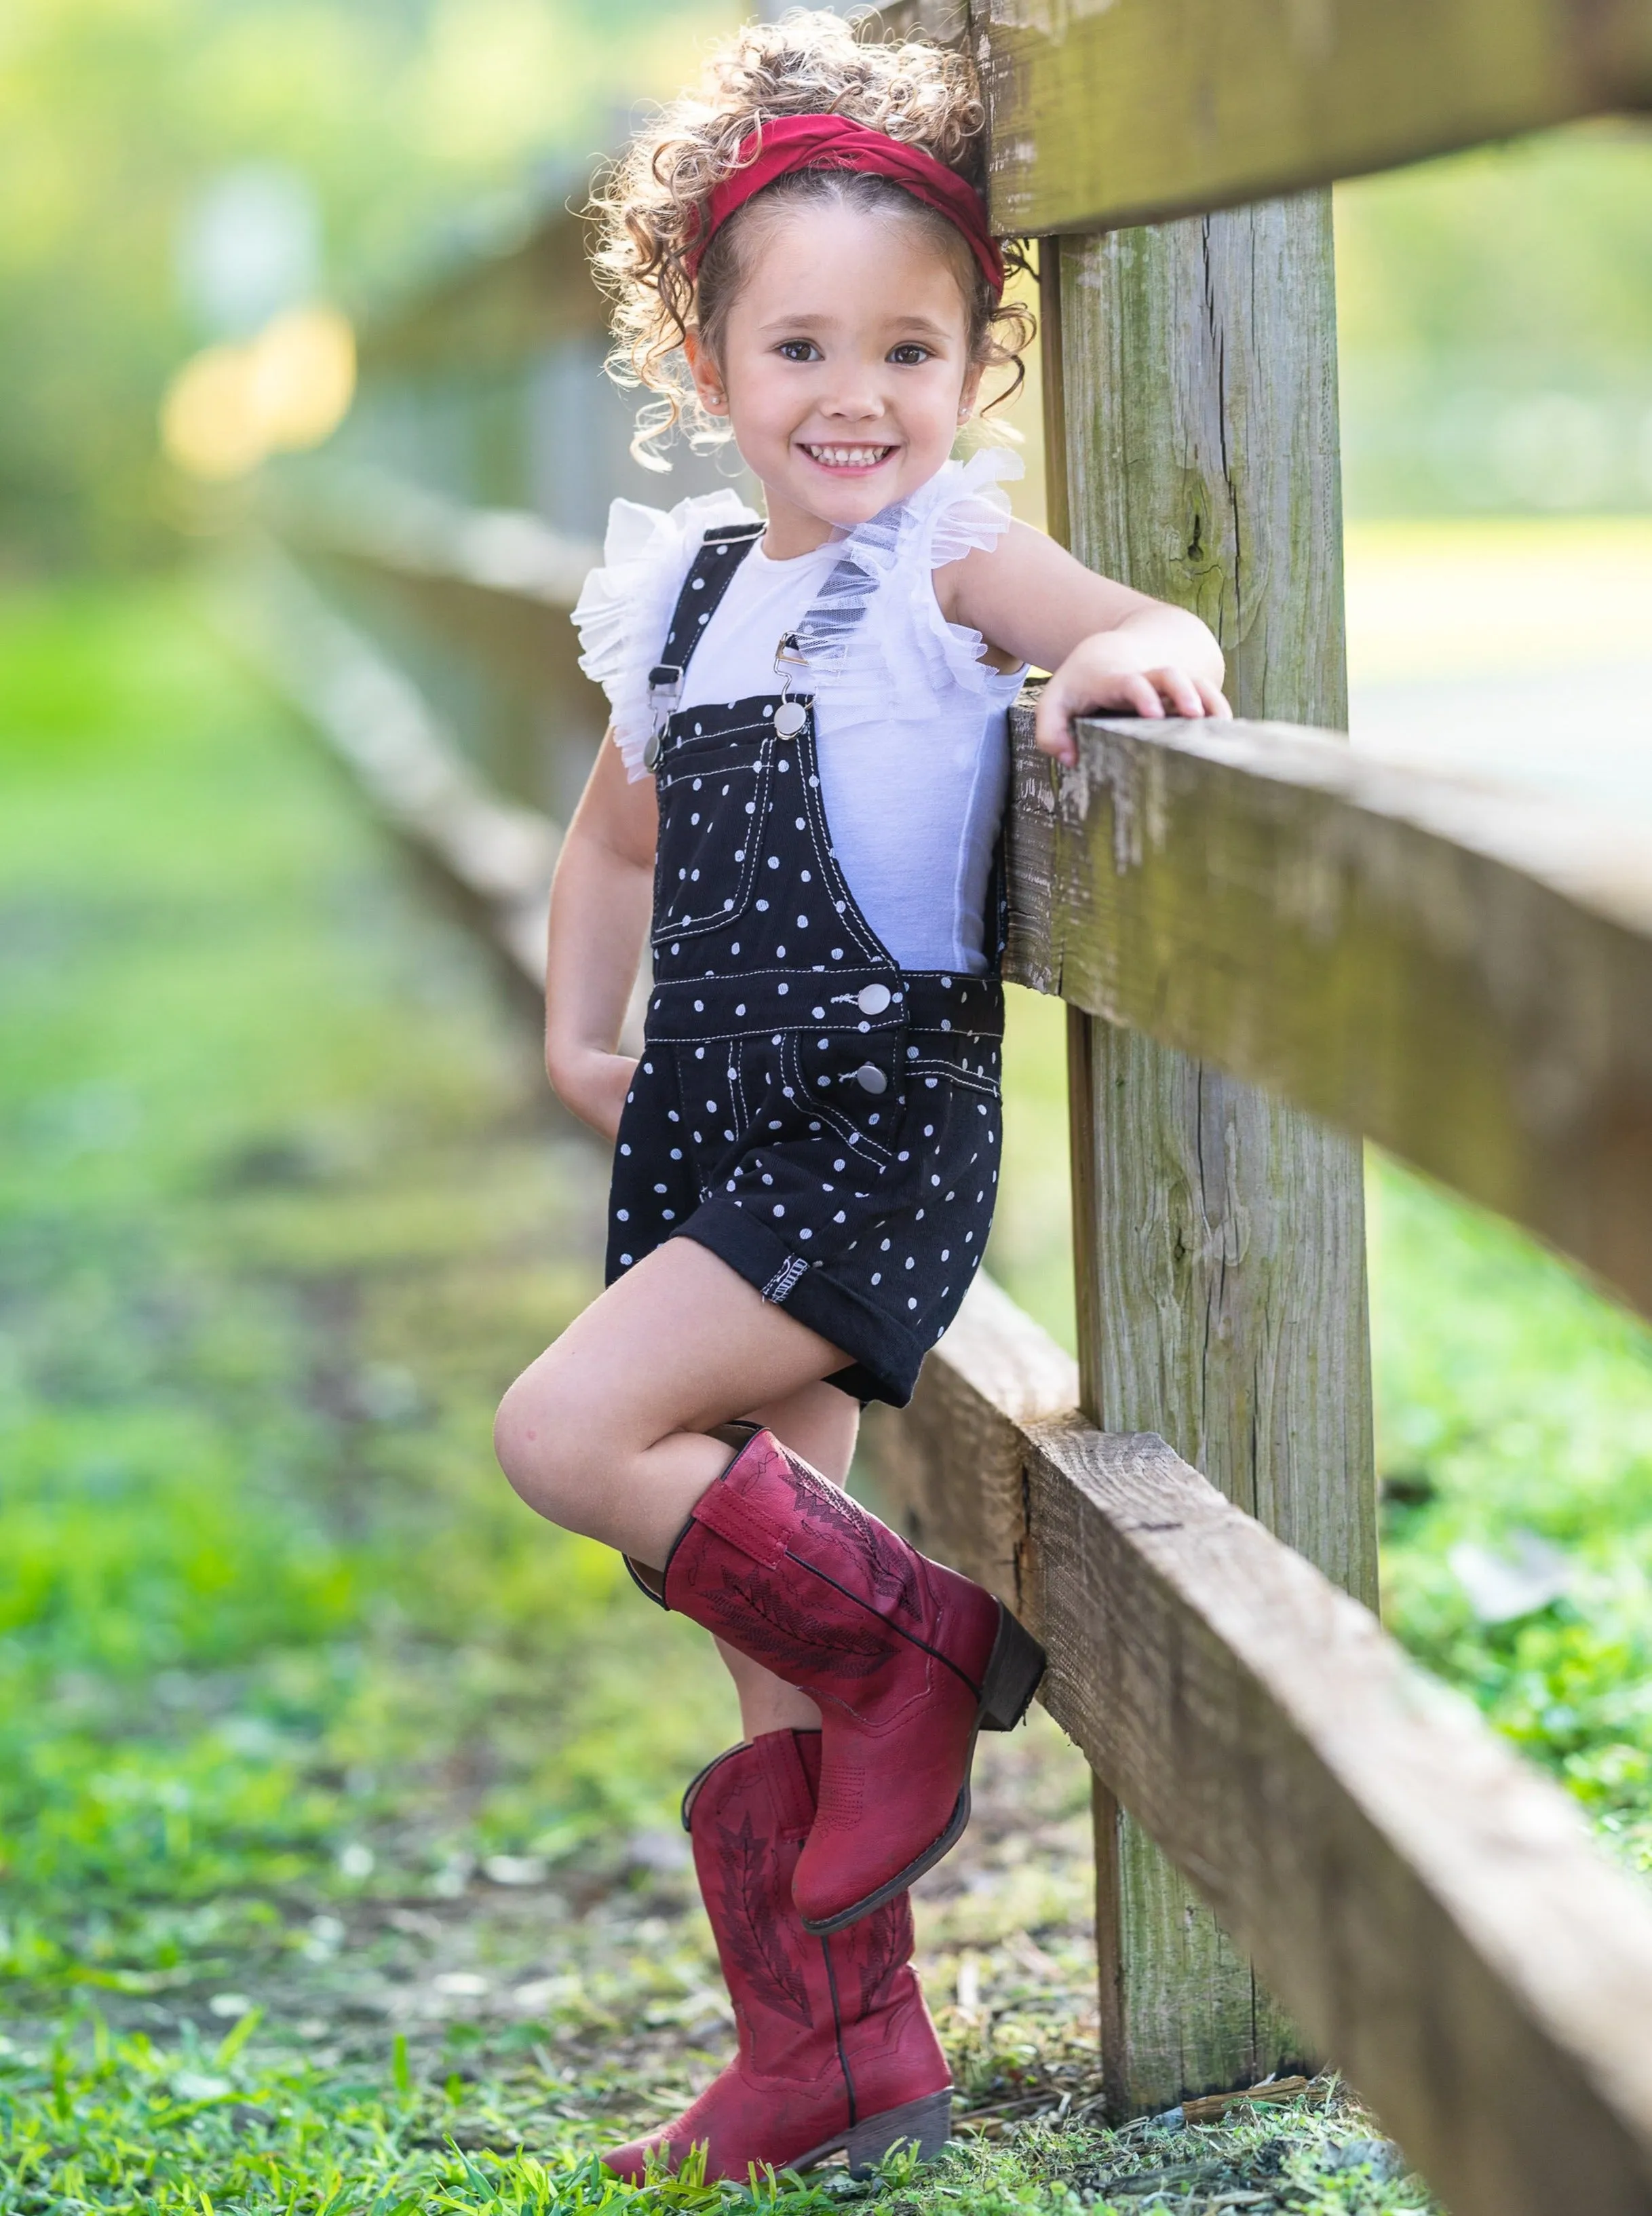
(848, 458)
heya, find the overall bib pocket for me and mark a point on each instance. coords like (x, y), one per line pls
(713, 798)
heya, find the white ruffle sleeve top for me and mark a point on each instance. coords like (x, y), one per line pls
(910, 723)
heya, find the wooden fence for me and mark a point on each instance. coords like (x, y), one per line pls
(1269, 950)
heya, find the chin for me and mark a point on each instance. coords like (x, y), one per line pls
(852, 498)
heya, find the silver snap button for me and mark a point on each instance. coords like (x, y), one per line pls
(871, 1079)
(789, 718)
(872, 999)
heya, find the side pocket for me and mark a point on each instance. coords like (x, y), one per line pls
(972, 1059)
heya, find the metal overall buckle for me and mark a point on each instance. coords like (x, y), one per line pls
(790, 715)
(665, 691)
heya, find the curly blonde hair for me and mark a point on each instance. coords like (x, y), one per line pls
(650, 205)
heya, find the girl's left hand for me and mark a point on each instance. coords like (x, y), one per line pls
(1103, 677)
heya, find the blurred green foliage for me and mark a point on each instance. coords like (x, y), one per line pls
(417, 123)
(1495, 319)
(1512, 1399)
(1541, 246)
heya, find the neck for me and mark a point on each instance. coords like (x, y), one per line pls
(792, 530)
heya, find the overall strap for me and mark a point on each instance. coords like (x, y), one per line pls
(711, 573)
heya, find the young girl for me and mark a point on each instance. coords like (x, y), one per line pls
(804, 789)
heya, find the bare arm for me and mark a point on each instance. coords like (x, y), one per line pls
(1110, 648)
(600, 907)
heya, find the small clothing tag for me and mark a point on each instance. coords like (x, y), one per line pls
(786, 1279)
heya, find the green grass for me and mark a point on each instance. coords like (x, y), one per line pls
(337, 1860)
(278, 1215)
(1511, 1399)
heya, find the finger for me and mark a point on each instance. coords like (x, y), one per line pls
(1215, 704)
(1140, 695)
(1178, 691)
(1052, 727)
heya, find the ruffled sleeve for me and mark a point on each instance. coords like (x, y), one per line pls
(876, 633)
(970, 509)
(624, 607)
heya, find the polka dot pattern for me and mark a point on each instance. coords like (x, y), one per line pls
(826, 1122)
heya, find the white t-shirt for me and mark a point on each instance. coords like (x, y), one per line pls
(910, 723)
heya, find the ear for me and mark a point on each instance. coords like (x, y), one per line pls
(708, 378)
(972, 388)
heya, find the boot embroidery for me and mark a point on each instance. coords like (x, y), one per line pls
(774, 1630)
(842, 1798)
(749, 1930)
(889, 1566)
(887, 1946)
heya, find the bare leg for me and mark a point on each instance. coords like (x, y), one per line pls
(607, 1432)
(820, 1423)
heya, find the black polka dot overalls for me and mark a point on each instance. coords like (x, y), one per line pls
(825, 1121)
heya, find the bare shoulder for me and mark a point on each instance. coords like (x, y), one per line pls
(1020, 553)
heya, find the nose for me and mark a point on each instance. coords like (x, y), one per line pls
(856, 395)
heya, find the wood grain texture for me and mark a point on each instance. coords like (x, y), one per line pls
(1462, 974)
(1107, 113)
(1218, 1233)
(1197, 426)
(968, 1416)
(1431, 1910)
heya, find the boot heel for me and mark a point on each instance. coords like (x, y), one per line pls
(1012, 1677)
(927, 2124)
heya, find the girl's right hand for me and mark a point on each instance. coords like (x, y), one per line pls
(593, 1085)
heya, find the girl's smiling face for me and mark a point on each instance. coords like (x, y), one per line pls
(843, 365)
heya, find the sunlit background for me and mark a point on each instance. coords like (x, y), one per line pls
(299, 1712)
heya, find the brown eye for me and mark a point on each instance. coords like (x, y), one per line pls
(799, 350)
(910, 356)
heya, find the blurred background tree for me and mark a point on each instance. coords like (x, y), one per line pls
(1495, 317)
(370, 139)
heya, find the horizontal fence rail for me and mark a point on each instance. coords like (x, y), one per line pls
(1107, 113)
(1461, 973)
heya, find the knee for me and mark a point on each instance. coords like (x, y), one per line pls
(541, 1439)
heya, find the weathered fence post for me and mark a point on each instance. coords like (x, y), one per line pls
(1191, 384)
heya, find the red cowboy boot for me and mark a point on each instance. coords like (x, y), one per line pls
(906, 1660)
(837, 2050)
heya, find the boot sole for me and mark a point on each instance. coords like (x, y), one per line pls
(926, 2123)
(1013, 1671)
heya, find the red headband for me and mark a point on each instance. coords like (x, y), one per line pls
(832, 142)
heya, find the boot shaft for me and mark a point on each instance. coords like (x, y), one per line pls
(798, 1575)
(801, 2002)
(906, 1660)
